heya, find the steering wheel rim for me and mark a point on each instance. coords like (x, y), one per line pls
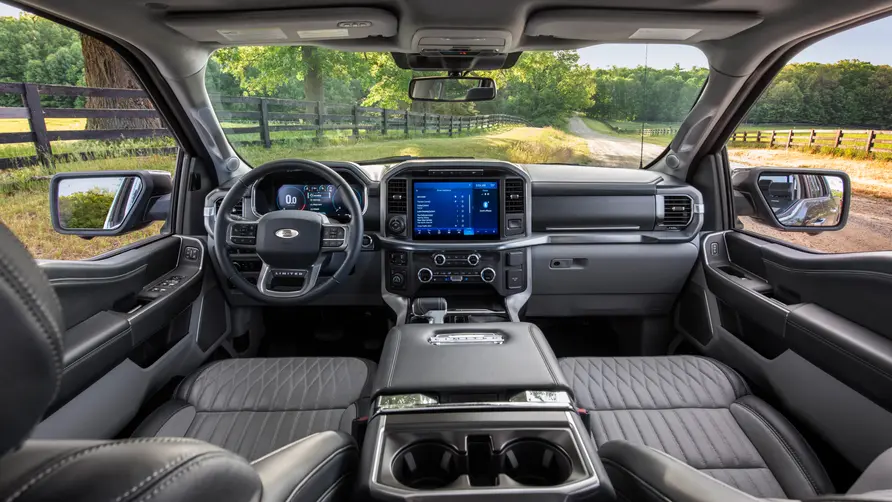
(267, 237)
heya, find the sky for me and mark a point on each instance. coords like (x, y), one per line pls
(868, 43)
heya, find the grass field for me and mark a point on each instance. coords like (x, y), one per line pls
(24, 205)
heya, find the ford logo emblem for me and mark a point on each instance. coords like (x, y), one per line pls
(287, 233)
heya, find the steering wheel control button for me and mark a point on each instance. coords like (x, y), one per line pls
(244, 230)
(425, 275)
(514, 278)
(244, 241)
(488, 275)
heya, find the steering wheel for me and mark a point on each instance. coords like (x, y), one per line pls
(293, 245)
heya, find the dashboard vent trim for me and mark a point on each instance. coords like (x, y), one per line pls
(236, 209)
(678, 211)
(515, 201)
(397, 195)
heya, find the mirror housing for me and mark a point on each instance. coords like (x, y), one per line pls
(104, 203)
(793, 199)
(452, 89)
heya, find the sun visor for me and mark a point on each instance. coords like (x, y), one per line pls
(285, 26)
(601, 25)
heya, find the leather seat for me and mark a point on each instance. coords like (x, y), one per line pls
(701, 412)
(163, 469)
(254, 406)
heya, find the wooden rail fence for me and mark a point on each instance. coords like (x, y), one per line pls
(252, 116)
(869, 141)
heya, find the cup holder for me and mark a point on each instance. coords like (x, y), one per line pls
(535, 463)
(426, 466)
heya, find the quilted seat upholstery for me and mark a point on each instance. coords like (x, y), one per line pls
(700, 412)
(255, 406)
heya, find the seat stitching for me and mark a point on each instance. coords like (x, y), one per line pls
(688, 432)
(652, 428)
(774, 432)
(696, 418)
(709, 417)
(135, 488)
(193, 464)
(71, 457)
(671, 433)
(627, 383)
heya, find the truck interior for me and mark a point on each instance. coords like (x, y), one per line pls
(450, 328)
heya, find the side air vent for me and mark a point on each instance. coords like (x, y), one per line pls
(396, 196)
(677, 211)
(236, 209)
(514, 197)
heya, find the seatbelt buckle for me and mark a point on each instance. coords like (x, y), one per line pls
(586, 418)
(358, 428)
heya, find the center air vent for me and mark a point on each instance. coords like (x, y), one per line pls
(514, 197)
(396, 196)
(677, 211)
(236, 209)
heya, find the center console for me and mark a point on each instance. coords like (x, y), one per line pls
(474, 412)
(454, 229)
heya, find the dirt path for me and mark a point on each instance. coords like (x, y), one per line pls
(612, 151)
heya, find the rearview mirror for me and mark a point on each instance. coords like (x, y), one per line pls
(92, 204)
(452, 89)
(804, 200)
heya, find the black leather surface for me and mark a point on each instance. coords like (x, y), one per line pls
(92, 348)
(31, 357)
(853, 354)
(160, 469)
(318, 467)
(783, 449)
(639, 473)
(410, 363)
(254, 406)
(877, 476)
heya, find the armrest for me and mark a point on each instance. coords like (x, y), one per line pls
(877, 477)
(317, 467)
(642, 473)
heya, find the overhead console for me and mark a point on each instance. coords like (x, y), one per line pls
(444, 224)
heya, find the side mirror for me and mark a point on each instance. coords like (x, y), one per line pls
(91, 204)
(452, 89)
(794, 200)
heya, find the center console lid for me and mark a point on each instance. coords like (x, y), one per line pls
(484, 360)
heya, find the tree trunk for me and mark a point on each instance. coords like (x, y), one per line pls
(104, 68)
(313, 79)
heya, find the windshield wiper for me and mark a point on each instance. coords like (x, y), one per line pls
(401, 158)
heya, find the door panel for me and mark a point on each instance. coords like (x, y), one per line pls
(112, 313)
(765, 308)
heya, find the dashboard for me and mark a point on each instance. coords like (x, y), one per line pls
(546, 240)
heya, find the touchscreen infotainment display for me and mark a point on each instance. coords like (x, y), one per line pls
(456, 210)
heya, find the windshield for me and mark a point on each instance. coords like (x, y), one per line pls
(611, 105)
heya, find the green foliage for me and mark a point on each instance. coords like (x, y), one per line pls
(85, 209)
(850, 92)
(33, 49)
(667, 96)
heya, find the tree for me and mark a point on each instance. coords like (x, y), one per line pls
(103, 67)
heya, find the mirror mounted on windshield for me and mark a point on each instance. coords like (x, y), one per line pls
(452, 89)
(793, 200)
(91, 204)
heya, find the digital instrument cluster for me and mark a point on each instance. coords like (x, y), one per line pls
(319, 198)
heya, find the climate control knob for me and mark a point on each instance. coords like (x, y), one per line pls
(439, 259)
(473, 259)
(488, 274)
(425, 275)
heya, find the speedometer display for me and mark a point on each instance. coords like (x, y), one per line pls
(319, 198)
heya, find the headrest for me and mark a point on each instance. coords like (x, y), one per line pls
(30, 331)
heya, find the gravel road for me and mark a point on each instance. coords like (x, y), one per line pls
(611, 151)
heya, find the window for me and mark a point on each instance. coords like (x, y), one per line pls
(615, 105)
(829, 108)
(49, 124)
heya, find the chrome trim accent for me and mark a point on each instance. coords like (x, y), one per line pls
(419, 275)
(265, 279)
(475, 311)
(699, 208)
(405, 401)
(589, 229)
(484, 278)
(541, 396)
(415, 407)
(287, 233)
(467, 339)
